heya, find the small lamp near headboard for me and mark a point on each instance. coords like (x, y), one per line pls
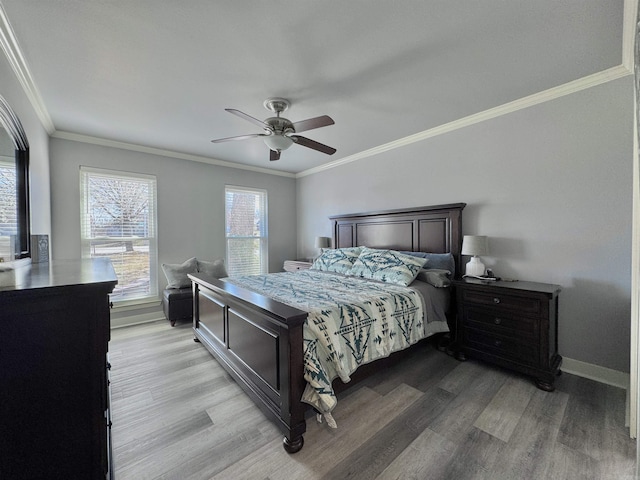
(475, 245)
(322, 242)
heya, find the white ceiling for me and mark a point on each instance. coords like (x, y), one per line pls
(159, 73)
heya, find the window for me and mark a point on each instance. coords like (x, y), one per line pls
(118, 221)
(14, 191)
(8, 208)
(246, 231)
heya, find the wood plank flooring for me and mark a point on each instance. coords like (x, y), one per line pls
(178, 415)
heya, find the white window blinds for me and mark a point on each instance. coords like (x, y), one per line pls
(118, 221)
(246, 231)
(8, 208)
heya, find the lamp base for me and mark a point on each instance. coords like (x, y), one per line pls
(475, 267)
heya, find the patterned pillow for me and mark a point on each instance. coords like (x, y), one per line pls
(387, 266)
(339, 260)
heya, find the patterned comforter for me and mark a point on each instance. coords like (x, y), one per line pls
(351, 322)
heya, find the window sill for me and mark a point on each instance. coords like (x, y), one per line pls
(13, 264)
(135, 304)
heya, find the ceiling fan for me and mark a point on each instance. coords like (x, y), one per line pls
(279, 132)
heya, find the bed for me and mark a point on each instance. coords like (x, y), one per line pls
(259, 340)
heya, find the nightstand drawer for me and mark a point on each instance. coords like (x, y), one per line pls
(482, 318)
(501, 346)
(295, 265)
(502, 301)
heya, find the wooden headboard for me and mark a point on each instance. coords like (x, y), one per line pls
(435, 229)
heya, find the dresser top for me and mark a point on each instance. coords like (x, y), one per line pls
(58, 273)
(515, 285)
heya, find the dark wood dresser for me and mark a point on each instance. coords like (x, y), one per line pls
(54, 393)
(512, 324)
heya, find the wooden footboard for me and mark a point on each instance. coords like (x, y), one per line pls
(259, 342)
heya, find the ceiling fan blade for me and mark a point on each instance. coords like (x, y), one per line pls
(311, 123)
(306, 142)
(274, 155)
(251, 119)
(239, 137)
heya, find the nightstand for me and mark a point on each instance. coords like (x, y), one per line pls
(511, 324)
(295, 265)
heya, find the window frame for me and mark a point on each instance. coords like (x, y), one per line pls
(152, 233)
(9, 163)
(264, 238)
(10, 122)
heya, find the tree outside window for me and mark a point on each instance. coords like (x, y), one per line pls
(118, 222)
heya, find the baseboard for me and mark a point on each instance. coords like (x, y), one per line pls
(600, 374)
(596, 372)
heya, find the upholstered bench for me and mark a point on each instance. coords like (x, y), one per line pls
(177, 298)
(177, 304)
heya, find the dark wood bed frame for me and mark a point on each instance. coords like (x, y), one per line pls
(259, 340)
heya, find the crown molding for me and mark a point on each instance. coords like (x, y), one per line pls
(630, 18)
(12, 51)
(522, 103)
(76, 137)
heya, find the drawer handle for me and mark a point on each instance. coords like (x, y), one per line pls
(496, 300)
(497, 343)
(497, 321)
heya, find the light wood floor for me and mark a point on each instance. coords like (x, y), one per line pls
(178, 415)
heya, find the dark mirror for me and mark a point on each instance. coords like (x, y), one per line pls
(14, 187)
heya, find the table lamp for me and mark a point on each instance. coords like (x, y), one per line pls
(322, 242)
(474, 245)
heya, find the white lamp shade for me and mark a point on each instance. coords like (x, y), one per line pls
(278, 142)
(322, 242)
(474, 245)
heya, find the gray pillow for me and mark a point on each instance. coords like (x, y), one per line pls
(436, 277)
(177, 273)
(440, 261)
(215, 269)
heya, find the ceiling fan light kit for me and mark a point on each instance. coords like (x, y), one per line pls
(278, 142)
(280, 132)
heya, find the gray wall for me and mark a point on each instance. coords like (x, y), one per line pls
(551, 185)
(190, 202)
(38, 137)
